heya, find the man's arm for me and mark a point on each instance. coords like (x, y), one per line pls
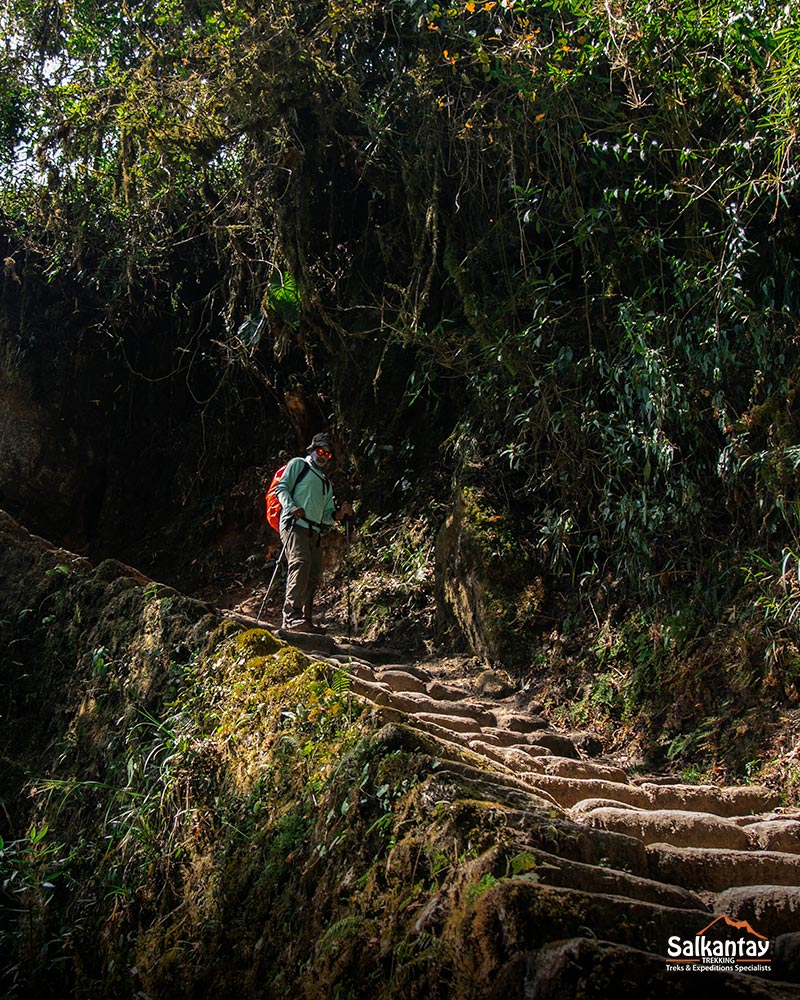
(286, 485)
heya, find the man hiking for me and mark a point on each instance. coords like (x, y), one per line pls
(307, 506)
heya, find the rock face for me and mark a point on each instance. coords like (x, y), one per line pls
(226, 814)
(479, 566)
(43, 466)
(87, 418)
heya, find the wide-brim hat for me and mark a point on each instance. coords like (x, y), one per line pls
(322, 440)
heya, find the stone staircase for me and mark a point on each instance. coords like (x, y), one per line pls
(642, 859)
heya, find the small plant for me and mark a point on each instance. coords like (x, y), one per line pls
(30, 870)
(484, 883)
(778, 589)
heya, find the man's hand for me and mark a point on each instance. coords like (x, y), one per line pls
(298, 512)
(345, 511)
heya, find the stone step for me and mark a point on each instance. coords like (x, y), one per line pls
(450, 692)
(521, 915)
(400, 680)
(415, 703)
(410, 668)
(355, 669)
(517, 759)
(518, 722)
(715, 869)
(774, 835)
(770, 909)
(555, 743)
(494, 792)
(493, 786)
(587, 805)
(568, 767)
(550, 869)
(725, 802)
(459, 723)
(585, 845)
(668, 826)
(780, 813)
(449, 741)
(507, 738)
(728, 801)
(569, 791)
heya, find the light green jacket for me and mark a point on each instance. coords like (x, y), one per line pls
(313, 493)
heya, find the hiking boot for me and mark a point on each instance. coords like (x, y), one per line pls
(303, 625)
(293, 625)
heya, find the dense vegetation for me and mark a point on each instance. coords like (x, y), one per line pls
(537, 263)
(582, 217)
(554, 243)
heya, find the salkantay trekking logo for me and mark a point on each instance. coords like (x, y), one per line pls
(716, 948)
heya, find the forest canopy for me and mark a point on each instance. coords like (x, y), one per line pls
(581, 215)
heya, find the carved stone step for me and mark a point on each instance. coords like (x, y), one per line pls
(414, 703)
(587, 805)
(400, 680)
(458, 723)
(585, 845)
(452, 781)
(568, 791)
(770, 909)
(360, 670)
(449, 740)
(767, 817)
(517, 758)
(518, 722)
(726, 802)
(550, 869)
(668, 826)
(509, 738)
(733, 800)
(774, 835)
(717, 869)
(448, 692)
(568, 767)
(522, 916)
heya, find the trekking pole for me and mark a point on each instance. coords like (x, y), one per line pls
(347, 577)
(272, 580)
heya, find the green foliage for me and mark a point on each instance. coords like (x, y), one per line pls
(33, 871)
(579, 220)
(283, 299)
(485, 882)
(776, 594)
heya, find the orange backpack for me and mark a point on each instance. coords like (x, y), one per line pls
(273, 503)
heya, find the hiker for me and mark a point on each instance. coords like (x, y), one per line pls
(307, 506)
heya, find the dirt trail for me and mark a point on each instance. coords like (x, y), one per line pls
(644, 849)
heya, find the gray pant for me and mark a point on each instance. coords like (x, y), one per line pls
(304, 556)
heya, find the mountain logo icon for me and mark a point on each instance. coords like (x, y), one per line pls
(737, 925)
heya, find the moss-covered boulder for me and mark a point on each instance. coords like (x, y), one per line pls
(488, 585)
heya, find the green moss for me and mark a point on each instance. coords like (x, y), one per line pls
(492, 533)
(110, 570)
(257, 642)
(491, 582)
(288, 662)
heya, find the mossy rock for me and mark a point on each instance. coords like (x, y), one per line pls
(282, 665)
(222, 632)
(257, 642)
(487, 584)
(110, 570)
